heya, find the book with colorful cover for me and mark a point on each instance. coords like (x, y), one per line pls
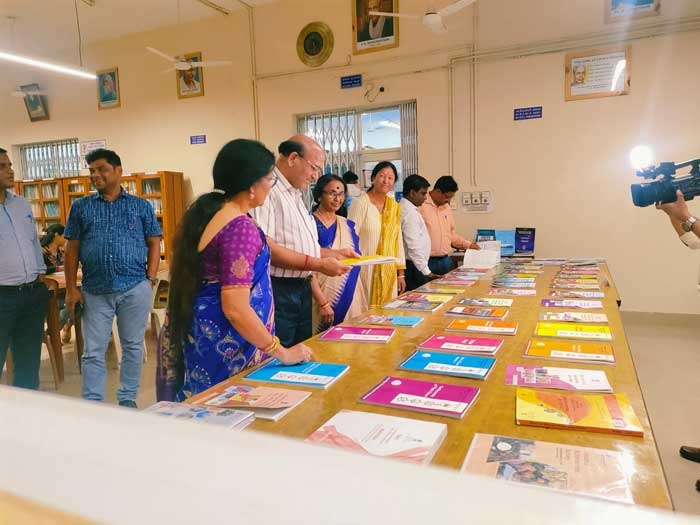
(441, 290)
(265, 402)
(367, 260)
(478, 312)
(408, 440)
(579, 470)
(390, 320)
(515, 277)
(311, 374)
(557, 378)
(357, 334)
(447, 281)
(512, 291)
(510, 283)
(573, 331)
(507, 238)
(430, 297)
(574, 351)
(220, 417)
(418, 306)
(573, 317)
(584, 294)
(483, 326)
(566, 285)
(471, 345)
(568, 303)
(610, 413)
(582, 277)
(486, 301)
(524, 241)
(422, 396)
(470, 366)
(485, 234)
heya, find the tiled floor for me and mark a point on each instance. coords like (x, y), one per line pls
(666, 351)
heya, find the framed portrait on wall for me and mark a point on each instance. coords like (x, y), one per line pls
(190, 82)
(596, 74)
(621, 10)
(108, 96)
(34, 102)
(370, 32)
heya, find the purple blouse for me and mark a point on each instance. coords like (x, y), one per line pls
(230, 255)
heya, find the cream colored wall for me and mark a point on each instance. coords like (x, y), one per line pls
(152, 127)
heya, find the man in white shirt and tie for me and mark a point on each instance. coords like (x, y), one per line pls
(416, 239)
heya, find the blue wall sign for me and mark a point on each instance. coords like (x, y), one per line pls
(198, 139)
(350, 81)
(527, 113)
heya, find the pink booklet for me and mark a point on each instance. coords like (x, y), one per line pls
(460, 343)
(357, 334)
(422, 396)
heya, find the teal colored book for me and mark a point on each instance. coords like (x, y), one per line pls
(311, 374)
(507, 238)
(471, 366)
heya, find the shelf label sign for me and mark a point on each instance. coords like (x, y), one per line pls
(198, 139)
(527, 113)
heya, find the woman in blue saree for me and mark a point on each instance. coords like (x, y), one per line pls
(220, 315)
(343, 297)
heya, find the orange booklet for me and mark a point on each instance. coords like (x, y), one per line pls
(573, 331)
(570, 351)
(483, 326)
(611, 413)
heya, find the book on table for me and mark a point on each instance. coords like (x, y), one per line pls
(572, 303)
(512, 283)
(512, 291)
(580, 470)
(609, 413)
(441, 290)
(447, 282)
(557, 378)
(573, 331)
(221, 417)
(583, 294)
(408, 440)
(574, 351)
(483, 326)
(469, 366)
(430, 297)
(390, 320)
(524, 241)
(357, 334)
(567, 285)
(265, 402)
(460, 343)
(581, 277)
(486, 301)
(417, 306)
(441, 399)
(312, 374)
(507, 238)
(478, 312)
(573, 317)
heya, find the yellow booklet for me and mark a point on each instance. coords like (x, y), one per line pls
(367, 260)
(574, 331)
(570, 351)
(610, 413)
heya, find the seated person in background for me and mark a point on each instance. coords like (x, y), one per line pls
(336, 297)
(52, 244)
(353, 189)
(416, 240)
(378, 221)
(220, 316)
(440, 222)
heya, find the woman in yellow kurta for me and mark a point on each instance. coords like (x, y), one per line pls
(377, 219)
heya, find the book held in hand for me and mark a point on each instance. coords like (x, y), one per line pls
(390, 320)
(357, 334)
(408, 440)
(483, 326)
(557, 378)
(610, 413)
(265, 402)
(368, 260)
(559, 349)
(579, 470)
(460, 343)
(311, 374)
(470, 366)
(220, 417)
(573, 331)
(441, 399)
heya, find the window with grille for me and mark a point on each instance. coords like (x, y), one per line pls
(50, 160)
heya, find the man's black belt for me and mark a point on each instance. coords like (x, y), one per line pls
(20, 287)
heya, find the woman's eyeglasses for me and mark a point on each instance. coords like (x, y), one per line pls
(335, 194)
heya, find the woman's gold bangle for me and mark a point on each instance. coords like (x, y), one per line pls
(273, 346)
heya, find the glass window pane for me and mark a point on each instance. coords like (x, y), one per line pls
(381, 129)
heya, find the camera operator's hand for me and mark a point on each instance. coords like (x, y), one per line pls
(678, 211)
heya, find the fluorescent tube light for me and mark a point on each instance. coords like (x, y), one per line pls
(46, 65)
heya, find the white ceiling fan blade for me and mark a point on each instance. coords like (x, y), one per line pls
(210, 63)
(169, 70)
(454, 7)
(161, 54)
(395, 15)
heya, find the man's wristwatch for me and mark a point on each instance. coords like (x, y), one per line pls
(154, 280)
(687, 224)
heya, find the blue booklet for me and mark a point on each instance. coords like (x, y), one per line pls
(311, 374)
(507, 238)
(476, 367)
(524, 241)
(483, 234)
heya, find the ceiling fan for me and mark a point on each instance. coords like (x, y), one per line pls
(432, 19)
(179, 63)
(21, 93)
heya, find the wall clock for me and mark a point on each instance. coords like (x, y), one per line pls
(315, 44)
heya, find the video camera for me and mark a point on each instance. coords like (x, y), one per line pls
(663, 190)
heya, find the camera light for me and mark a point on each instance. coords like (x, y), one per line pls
(641, 157)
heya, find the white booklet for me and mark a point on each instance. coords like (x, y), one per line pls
(481, 258)
(223, 417)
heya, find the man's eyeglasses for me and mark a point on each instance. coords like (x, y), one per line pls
(335, 194)
(317, 169)
(272, 179)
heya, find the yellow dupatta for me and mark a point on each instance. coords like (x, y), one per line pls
(384, 275)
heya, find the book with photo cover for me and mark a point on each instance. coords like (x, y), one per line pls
(220, 417)
(557, 378)
(580, 470)
(311, 374)
(408, 440)
(469, 366)
(265, 402)
(357, 334)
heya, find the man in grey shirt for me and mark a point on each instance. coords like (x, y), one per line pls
(23, 295)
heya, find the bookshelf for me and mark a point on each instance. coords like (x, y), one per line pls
(51, 199)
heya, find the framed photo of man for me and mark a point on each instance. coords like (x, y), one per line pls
(108, 95)
(595, 74)
(190, 82)
(34, 102)
(622, 10)
(371, 32)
